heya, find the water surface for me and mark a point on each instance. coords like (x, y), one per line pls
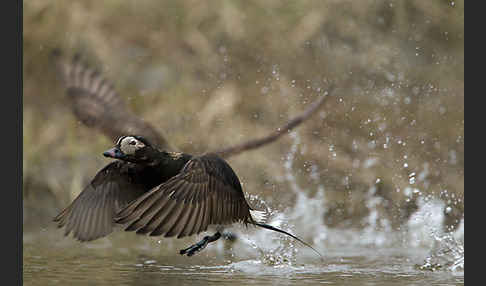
(126, 259)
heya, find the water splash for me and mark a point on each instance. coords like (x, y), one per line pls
(305, 218)
(425, 229)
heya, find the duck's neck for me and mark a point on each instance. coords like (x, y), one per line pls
(169, 163)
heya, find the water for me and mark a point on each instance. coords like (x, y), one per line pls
(417, 253)
(76, 265)
(420, 254)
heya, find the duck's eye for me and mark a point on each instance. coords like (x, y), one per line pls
(133, 142)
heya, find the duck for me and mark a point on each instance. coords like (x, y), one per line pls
(161, 193)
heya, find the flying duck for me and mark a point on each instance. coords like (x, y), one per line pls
(160, 193)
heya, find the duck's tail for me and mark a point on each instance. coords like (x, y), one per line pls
(291, 235)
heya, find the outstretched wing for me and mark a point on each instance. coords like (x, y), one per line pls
(90, 215)
(205, 192)
(96, 103)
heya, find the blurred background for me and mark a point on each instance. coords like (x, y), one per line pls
(213, 74)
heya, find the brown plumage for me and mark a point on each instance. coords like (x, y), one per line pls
(171, 194)
(152, 192)
(160, 193)
(205, 192)
(96, 103)
(91, 214)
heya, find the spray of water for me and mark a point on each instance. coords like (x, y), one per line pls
(423, 230)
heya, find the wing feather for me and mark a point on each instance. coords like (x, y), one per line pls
(191, 221)
(205, 192)
(91, 214)
(168, 221)
(96, 103)
(158, 218)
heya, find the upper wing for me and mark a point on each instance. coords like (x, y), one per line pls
(90, 215)
(205, 192)
(97, 104)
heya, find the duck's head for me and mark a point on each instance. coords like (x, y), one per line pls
(132, 148)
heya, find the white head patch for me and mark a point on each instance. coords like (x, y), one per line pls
(129, 145)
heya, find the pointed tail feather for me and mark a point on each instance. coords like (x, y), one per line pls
(293, 236)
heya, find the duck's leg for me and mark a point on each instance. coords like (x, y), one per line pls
(193, 249)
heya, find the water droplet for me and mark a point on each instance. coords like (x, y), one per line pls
(411, 181)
